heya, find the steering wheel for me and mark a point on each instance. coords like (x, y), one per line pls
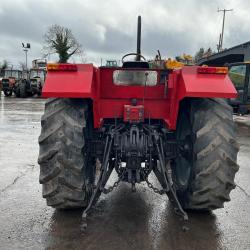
(133, 54)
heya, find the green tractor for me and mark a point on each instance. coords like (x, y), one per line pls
(111, 63)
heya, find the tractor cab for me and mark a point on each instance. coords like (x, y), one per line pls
(37, 79)
(37, 75)
(239, 75)
(10, 73)
(10, 79)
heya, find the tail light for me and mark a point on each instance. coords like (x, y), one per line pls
(61, 67)
(212, 70)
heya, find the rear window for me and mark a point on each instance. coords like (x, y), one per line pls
(135, 77)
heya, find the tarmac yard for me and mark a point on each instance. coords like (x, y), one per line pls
(121, 219)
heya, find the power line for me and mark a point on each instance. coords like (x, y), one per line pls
(222, 32)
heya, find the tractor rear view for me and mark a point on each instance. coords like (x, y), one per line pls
(34, 83)
(136, 121)
(10, 81)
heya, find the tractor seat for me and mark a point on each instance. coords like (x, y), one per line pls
(136, 64)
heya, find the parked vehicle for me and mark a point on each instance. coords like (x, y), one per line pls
(138, 120)
(39, 64)
(239, 75)
(111, 63)
(10, 81)
(33, 85)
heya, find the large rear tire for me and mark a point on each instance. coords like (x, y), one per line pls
(17, 91)
(66, 169)
(206, 169)
(23, 91)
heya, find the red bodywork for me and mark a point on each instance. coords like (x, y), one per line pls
(160, 102)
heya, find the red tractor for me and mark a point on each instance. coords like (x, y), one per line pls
(10, 81)
(136, 120)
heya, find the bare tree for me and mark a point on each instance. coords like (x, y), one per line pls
(199, 54)
(3, 66)
(22, 66)
(60, 40)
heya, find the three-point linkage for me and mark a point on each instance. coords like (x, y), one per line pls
(127, 143)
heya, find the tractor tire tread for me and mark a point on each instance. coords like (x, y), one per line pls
(215, 154)
(22, 87)
(61, 156)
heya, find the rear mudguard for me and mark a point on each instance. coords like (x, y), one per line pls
(70, 84)
(188, 83)
(193, 84)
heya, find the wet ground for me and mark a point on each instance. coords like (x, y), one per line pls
(121, 219)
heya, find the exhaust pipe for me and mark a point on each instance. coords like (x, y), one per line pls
(138, 51)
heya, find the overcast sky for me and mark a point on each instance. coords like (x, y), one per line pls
(107, 28)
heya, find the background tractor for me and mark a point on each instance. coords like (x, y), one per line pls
(39, 64)
(136, 121)
(34, 84)
(10, 80)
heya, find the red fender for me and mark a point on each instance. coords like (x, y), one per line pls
(188, 83)
(193, 84)
(70, 84)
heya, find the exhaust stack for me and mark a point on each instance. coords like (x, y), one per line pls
(138, 51)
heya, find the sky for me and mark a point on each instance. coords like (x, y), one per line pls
(106, 29)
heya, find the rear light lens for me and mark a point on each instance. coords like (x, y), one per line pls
(61, 67)
(212, 70)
